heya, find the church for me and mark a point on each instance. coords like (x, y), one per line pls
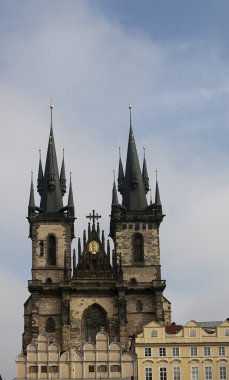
(98, 293)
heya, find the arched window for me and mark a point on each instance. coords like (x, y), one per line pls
(50, 325)
(51, 250)
(138, 246)
(94, 319)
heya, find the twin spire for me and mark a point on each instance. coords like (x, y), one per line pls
(50, 186)
(134, 185)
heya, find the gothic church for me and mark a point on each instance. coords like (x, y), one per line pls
(74, 296)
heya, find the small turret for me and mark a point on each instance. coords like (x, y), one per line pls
(31, 208)
(114, 195)
(71, 210)
(62, 177)
(120, 175)
(40, 176)
(145, 175)
(157, 195)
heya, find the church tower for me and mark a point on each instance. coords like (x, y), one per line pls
(134, 228)
(51, 232)
(118, 291)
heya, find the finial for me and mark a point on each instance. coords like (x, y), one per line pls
(144, 151)
(51, 108)
(130, 107)
(114, 175)
(119, 151)
(63, 153)
(40, 153)
(31, 176)
(156, 174)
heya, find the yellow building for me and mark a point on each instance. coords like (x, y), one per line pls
(195, 351)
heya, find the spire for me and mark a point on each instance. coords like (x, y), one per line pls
(62, 177)
(145, 174)
(120, 174)
(40, 176)
(31, 208)
(114, 193)
(51, 197)
(70, 194)
(157, 194)
(134, 197)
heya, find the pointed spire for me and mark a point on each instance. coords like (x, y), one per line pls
(62, 177)
(98, 230)
(157, 193)
(134, 197)
(79, 247)
(84, 239)
(145, 174)
(31, 210)
(108, 249)
(114, 193)
(40, 175)
(51, 197)
(89, 231)
(70, 195)
(103, 239)
(120, 174)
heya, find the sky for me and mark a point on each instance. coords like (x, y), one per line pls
(170, 60)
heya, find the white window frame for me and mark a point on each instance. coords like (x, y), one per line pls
(223, 373)
(176, 376)
(163, 373)
(222, 351)
(196, 373)
(207, 351)
(208, 375)
(147, 352)
(148, 372)
(162, 352)
(176, 351)
(192, 349)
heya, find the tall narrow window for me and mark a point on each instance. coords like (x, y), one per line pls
(138, 246)
(51, 250)
(149, 373)
(50, 325)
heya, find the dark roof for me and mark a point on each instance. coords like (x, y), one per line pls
(173, 328)
(51, 197)
(209, 325)
(134, 197)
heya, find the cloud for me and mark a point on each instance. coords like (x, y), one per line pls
(93, 65)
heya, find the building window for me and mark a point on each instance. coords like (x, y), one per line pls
(139, 306)
(91, 368)
(53, 369)
(208, 373)
(207, 351)
(94, 319)
(194, 373)
(102, 368)
(176, 373)
(148, 352)
(221, 351)
(50, 325)
(43, 369)
(51, 250)
(115, 368)
(192, 333)
(138, 245)
(222, 373)
(176, 351)
(41, 244)
(162, 351)
(226, 332)
(193, 351)
(148, 374)
(154, 333)
(33, 369)
(163, 373)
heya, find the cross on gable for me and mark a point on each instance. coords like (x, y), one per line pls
(94, 216)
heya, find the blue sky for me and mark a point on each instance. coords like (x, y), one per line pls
(170, 60)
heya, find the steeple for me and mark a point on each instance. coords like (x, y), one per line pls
(40, 176)
(120, 175)
(157, 194)
(51, 196)
(31, 208)
(134, 197)
(145, 174)
(114, 193)
(62, 177)
(70, 198)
